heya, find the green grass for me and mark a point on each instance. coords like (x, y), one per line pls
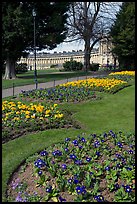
(113, 112)
(42, 76)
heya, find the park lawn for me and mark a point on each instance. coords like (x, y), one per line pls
(113, 112)
(42, 77)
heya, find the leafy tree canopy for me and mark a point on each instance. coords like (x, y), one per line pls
(17, 26)
(123, 34)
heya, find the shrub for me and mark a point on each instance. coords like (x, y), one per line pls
(21, 68)
(53, 65)
(72, 65)
(94, 66)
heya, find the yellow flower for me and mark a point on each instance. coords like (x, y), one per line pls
(39, 108)
(27, 112)
(33, 116)
(47, 115)
(15, 118)
(17, 112)
(47, 112)
(27, 116)
(55, 105)
(59, 115)
(132, 73)
(13, 108)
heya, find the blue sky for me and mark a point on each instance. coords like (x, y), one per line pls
(67, 47)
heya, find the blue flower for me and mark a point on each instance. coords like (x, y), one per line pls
(107, 168)
(81, 190)
(57, 153)
(64, 166)
(113, 134)
(105, 135)
(118, 165)
(99, 198)
(129, 168)
(15, 184)
(102, 141)
(118, 155)
(123, 159)
(76, 181)
(52, 162)
(96, 144)
(97, 153)
(72, 156)
(19, 198)
(88, 159)
(39, 173)
(130, 151)
(40, 163)
(67, 139)
(70, 180)
(61, 199)
(80, 147)
(78, 162)
(83, 139)
(66, 149)
(116, 186)
(44, 153)
(120, 144)
(131, 146)
(49, 189)
(75, 142)
(128, 189)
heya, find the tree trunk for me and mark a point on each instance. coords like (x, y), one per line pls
(10, 69)
(87, 56)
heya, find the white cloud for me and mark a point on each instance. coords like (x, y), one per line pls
(67, 47)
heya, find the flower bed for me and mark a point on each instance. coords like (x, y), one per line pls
(60, 94)
(18, 118)
(98, 84)
(85, 169)
(123, 75)
(76, 91)
(130, 73)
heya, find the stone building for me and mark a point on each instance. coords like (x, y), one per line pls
(101, 55)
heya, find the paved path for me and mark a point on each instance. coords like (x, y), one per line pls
(17, 90)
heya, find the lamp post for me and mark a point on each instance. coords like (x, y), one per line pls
(35, 70)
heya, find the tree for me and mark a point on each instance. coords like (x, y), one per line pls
(123, 36)
(90, 22)
(17, 29)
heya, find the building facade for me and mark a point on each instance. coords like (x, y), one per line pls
(101, 55)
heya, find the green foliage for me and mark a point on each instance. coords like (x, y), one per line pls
(54, 66)
(94, 66)
(72, 65)
(123, 36)
(18, 26)
(21, 68)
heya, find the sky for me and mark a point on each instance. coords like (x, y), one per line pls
(75, 45)
(66, 47)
